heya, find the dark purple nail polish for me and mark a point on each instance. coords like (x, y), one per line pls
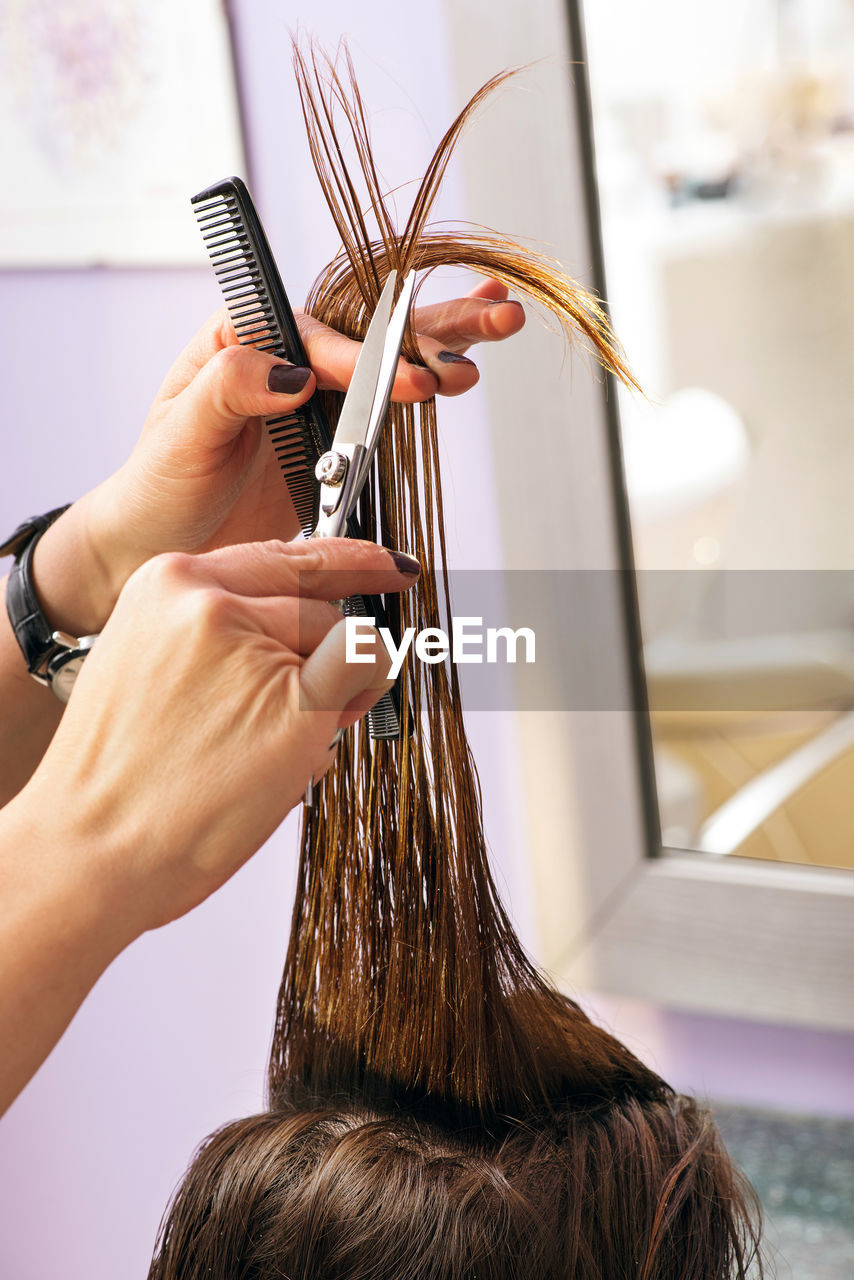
(451, 357)
(405, 564)
(287, 378)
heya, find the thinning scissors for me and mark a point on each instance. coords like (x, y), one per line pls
(343, 469)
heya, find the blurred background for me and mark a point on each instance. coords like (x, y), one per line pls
(725, 148)
(680, 859)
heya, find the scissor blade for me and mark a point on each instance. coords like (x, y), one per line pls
(356, 412)
(385, 381)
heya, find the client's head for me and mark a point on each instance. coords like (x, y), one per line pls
(637, 1186)
(438, 1111)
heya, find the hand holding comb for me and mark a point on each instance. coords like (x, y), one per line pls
(262, 317)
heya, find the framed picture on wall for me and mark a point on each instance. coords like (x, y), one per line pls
(112, 114)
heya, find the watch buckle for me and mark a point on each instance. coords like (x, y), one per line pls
(64, 640)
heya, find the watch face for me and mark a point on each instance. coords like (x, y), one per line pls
(64, 675)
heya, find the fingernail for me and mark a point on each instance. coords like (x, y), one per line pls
(451, 357)
(405, 564)
(287, 378)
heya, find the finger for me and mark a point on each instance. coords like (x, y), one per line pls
(457, 325)
(489, 287)
(299, 625)
(333, 358)
(322, 569)
(455, 373)
(235, 384)
(357, 708)
(214, 336)
(217, 332)
(330, 680)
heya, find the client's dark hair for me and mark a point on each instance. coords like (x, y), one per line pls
(630, 1189)
(437, 1110)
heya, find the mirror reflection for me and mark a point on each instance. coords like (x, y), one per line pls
(725, 154)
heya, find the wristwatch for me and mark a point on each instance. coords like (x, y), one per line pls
(54, 658)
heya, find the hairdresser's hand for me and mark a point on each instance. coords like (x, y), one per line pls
(209, 701)
(203, 474)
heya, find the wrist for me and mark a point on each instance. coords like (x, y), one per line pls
(74, 572)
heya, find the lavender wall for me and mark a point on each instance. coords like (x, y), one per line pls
(172, 1041)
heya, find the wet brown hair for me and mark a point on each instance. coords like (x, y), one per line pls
(437, 1109)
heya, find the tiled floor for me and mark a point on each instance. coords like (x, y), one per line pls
(803, 1169)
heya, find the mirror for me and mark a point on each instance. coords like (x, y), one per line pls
(724, 138)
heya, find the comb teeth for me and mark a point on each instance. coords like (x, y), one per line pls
(384, 720)
(384, 716)
(239, 274)
(296, 460)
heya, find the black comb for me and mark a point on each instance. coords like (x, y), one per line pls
(263, 318)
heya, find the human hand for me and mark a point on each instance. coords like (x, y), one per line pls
(203, 474)
(208, 703)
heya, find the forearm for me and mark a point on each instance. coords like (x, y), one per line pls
(58, 933)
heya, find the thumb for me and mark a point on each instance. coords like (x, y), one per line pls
(239, 383)
(337, 675)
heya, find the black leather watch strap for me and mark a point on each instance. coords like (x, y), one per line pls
(32, 630)
(34, 527)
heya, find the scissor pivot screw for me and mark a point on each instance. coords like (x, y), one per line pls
(331, 468)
